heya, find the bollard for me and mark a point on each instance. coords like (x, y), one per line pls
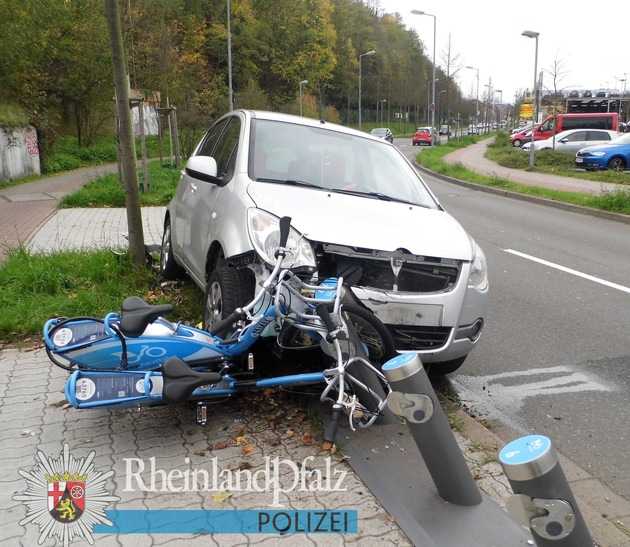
(414, 399)
(543, 501)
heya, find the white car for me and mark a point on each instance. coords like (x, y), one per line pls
(359, 210)
(573, 140)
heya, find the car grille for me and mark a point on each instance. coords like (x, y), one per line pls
(412, 337)
(373, 269)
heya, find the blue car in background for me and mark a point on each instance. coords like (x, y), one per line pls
(615, 155)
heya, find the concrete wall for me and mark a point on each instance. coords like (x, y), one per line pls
(150, 120)
(19, 153)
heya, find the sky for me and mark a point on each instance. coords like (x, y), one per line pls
(592, 41)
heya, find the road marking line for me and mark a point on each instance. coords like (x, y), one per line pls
(571, 271)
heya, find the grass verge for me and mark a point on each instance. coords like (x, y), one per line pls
(548, 161)
(107, 191)
(34, 288)
(432, 158)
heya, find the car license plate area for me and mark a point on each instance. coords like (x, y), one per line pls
(579, 160)
(393, 313)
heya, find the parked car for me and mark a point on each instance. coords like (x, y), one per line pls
(445, 130)
(562, 122)
(422, 137)
(523, 136)
(615, 155)
(383, 133)
(587, 94)
(574, 94)
(472, 130)
(569, 142)
(359, 210)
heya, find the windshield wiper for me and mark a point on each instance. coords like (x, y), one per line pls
(377, 195)
(291, 182)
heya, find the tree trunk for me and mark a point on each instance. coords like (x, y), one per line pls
(128, 161)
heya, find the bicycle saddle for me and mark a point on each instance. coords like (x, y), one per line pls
(136, 314)
(180, 380)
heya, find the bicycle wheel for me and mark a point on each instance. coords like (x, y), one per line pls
(371, 331)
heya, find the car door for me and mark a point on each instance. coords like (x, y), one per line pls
(574, 142)
(597, 137)
(209, 195)
(189, 194)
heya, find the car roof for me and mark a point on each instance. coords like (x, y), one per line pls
(310, 122)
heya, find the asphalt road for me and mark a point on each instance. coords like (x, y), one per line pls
(555, 354)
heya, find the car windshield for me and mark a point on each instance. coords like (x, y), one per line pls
(379, 131)
(289, 153)
(623, 139)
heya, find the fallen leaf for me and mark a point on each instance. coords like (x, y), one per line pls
(290, 433)
(241, 439)
(220, 445)
(327, 446)
(247, 449)
(221, 497)
(307, 439)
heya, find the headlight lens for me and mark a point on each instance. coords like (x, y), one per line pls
(597, 154)
(478, 278)
(264, 233)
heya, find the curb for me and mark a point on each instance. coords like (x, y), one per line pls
(605, 512)
(617, 217)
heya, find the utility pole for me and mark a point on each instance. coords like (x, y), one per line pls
(229, 41)
(128, 161)
(367, 53)
(535, 35)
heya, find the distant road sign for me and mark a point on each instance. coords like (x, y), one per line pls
(526, 110)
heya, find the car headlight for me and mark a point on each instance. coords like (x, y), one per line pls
(597, 154)
(264, 233)
(478, 278)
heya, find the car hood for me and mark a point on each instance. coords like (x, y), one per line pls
(364, 222)
(602, 147)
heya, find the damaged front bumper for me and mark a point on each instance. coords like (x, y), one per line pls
(441, 326)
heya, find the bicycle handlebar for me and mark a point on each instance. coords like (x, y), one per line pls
(227, 322)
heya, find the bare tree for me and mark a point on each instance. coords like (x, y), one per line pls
(451, 60)
(557, 71)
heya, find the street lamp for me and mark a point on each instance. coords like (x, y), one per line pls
(229, 41)
(366, 54)
(469, 67)
(532, 34)
(302, 83)
(498, 109)
(418, 12)
(438, 107)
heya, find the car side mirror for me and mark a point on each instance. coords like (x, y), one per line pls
(203, 168)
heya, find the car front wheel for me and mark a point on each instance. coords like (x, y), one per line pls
(617, 164)
(226, 289)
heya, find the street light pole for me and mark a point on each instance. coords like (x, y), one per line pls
(303, 82)
(229, 41)
(477, 97)
(418, 12)
(367, 53)
(498, 109)
(382, 107)
(535, 35)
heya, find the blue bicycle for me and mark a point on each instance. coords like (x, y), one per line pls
(139, 358)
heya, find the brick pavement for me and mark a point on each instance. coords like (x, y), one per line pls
(32, 416)
(23, 208)
(76, 229)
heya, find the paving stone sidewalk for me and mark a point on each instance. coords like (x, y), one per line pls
(94, 228)
(33, 417)
(23, 208)
(473, 158)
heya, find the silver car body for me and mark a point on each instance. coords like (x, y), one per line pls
(573, 140)
(208, 220)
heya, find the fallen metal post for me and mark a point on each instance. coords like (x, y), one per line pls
(414, 399)
(543, 500)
